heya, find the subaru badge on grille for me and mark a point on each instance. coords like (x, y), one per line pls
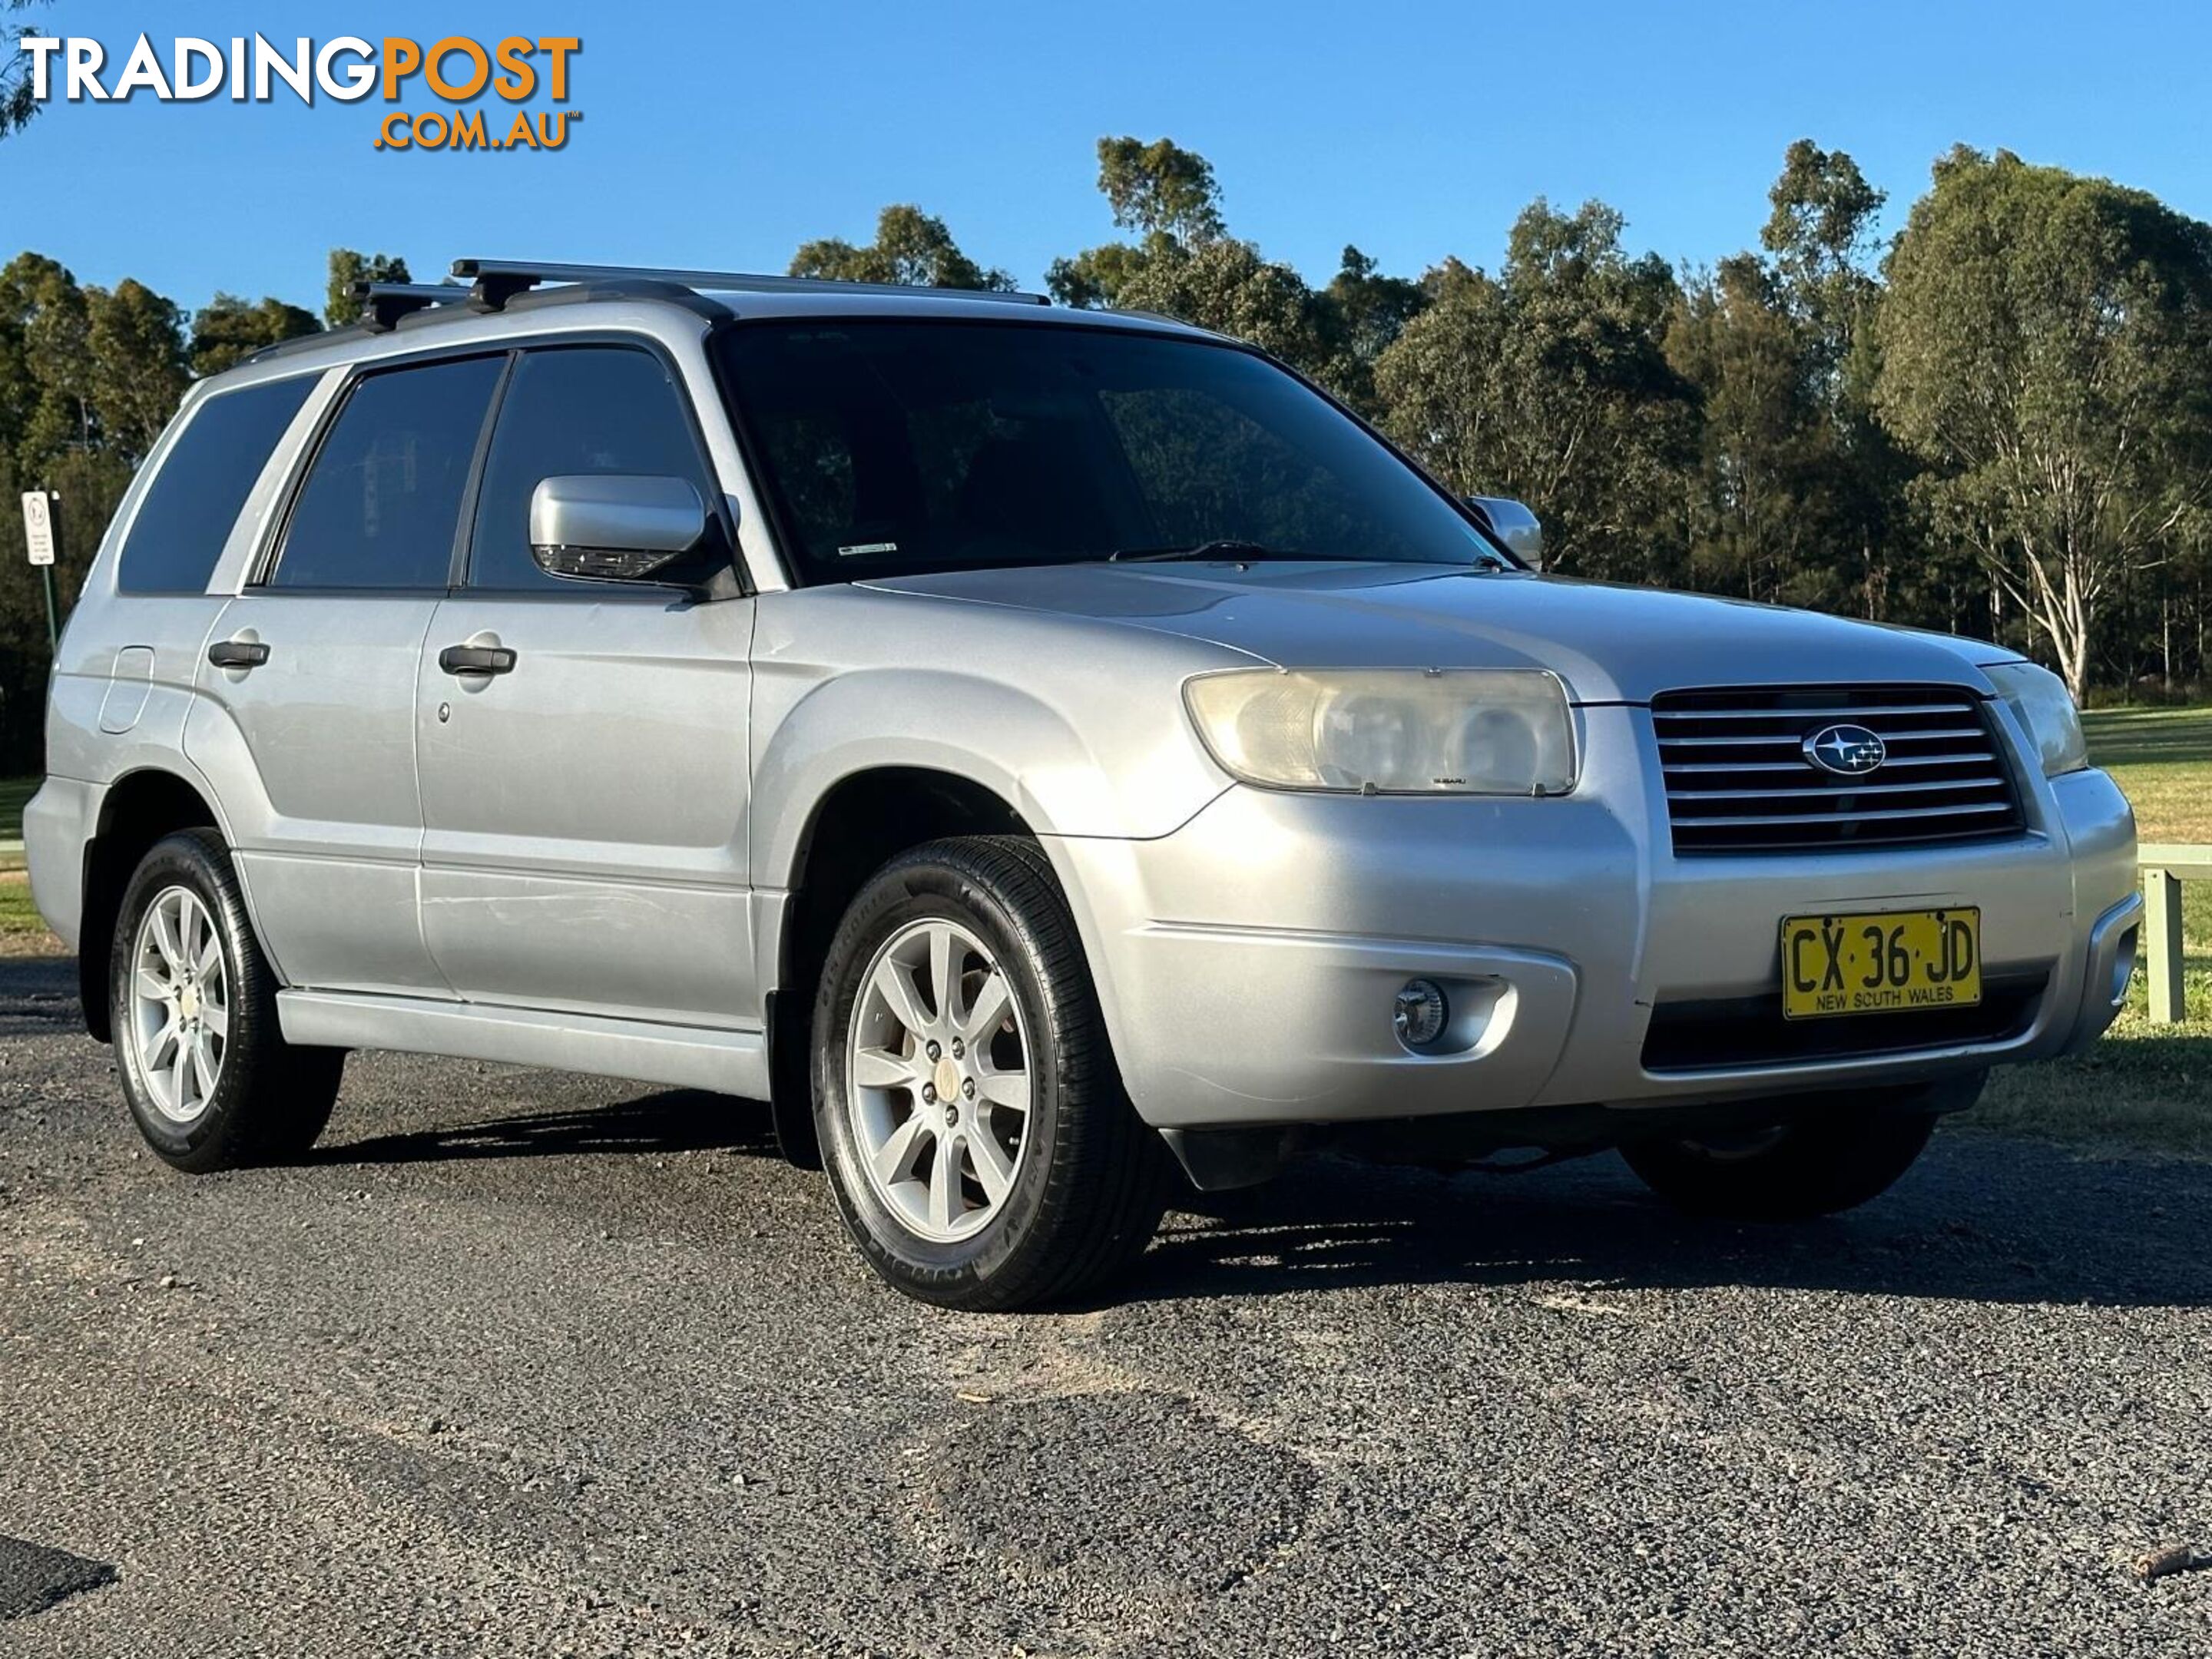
(1849, 752)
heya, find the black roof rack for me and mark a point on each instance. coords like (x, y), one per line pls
(493, 282)
(497, 281)
(386, 303)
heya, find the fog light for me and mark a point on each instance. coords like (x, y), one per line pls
(1420, 1013)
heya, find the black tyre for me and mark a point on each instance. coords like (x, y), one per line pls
(208, 1074)
(977, 1139)
(1854, 1151)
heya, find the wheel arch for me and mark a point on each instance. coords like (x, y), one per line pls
(138, 809)
(862, 821)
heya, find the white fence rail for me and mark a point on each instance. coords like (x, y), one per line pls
(2165, 867)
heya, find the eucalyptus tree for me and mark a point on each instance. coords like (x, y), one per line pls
(1760, 514)
(341, 305)
(48, 322)
(1228, 286)
(911, 248)
(1550, 381)
(138, 364)
(227, 330)
(1168, 196)
(1362, 313)
(17, 107)
(1797, 491)
(2046, 345)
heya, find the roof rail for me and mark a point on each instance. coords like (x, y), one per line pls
(384, 303)
(498, 281)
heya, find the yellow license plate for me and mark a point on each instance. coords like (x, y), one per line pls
(1886, 963)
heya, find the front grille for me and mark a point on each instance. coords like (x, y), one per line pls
(1738, 781)
(1693, 1036)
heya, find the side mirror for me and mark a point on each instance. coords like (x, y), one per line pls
(617, 527)
(1514, 524)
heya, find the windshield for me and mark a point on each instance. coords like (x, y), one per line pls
(897, 447)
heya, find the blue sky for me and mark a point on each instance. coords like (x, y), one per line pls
(724, 135)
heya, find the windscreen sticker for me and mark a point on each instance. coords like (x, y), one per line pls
(862, 549)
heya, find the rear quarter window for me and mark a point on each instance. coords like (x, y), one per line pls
(195, 498)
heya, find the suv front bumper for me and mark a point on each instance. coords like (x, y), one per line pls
(1248, 964)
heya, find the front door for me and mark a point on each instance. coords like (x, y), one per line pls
(584, 838)
(306, 712)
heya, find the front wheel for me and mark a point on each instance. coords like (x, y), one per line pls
(982, 1153)
(207, 1073)
(1855, 1150)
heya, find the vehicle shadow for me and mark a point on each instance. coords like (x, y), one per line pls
(670, 1120)
(1984, 1217)
(37, 996)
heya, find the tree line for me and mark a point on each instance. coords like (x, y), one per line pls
(1998, 422)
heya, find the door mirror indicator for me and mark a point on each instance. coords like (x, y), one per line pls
(621, 527)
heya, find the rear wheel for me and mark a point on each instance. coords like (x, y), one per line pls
(208, 1075)
(978, 1142)
(1855, 1150)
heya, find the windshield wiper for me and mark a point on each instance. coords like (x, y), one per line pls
(1226, 547)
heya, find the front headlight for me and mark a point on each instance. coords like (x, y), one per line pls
(2039, 700)
(1397, 732)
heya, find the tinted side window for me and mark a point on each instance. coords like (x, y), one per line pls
(186, 516)
(574, 409)
(382, 503)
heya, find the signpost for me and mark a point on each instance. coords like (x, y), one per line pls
(42, 512)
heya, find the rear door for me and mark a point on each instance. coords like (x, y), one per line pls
(584, 843)
(314, 667)
(174, 541)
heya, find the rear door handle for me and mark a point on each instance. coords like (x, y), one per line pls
(237, 653)
(477, 659)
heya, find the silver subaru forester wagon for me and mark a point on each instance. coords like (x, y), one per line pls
(1046, 754)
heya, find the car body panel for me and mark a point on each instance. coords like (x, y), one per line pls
(313, 754)
(1075, 725)
(1608, 643)
(1503, 897)
(586, 815)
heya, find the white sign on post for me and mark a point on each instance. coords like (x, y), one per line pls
(39, 526)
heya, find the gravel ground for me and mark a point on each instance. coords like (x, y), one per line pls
(528, 1363)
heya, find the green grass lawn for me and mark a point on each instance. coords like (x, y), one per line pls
(2145, 1084)
(20, 930)
(2162, 759)
(13, 793)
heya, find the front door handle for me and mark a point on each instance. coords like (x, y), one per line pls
(477, 659)
(237, 653)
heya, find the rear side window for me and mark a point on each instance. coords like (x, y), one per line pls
(383, 499)
(194, 499)
(574, 409)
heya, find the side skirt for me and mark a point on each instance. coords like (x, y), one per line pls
(681, 1056)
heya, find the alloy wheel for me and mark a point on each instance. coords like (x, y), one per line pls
(937, 1079)
(179, 1021)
